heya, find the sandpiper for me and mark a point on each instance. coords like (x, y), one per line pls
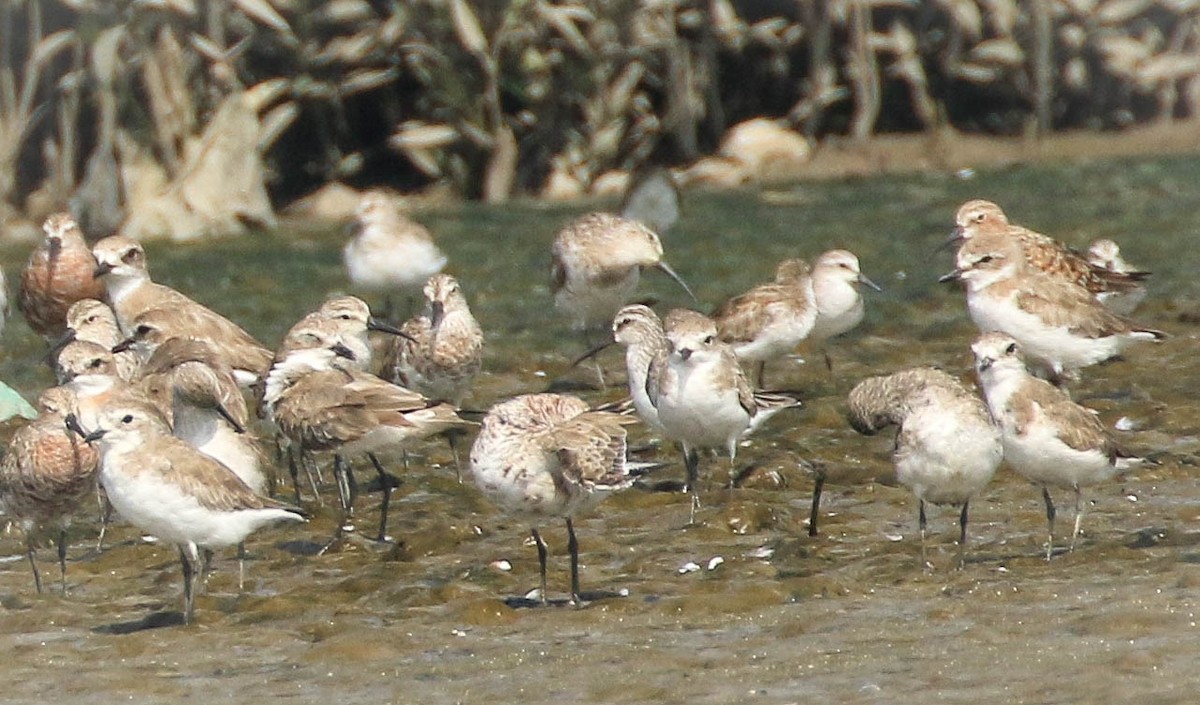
(442, 348)
(60, 272)
(80, 357)
(640, 330)
(1059, 325)
(547, 455)
(1043, 253)
(596, 263)
(245, 356)
(835, 279)
(170, 490)
(137, 300)
(1106, 254)
(1048, 438)
(45, 475)
(947, 446)
(702, 396)
(770, 320)
(321, 404)
(389, 252)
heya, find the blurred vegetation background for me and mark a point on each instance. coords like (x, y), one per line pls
(195, 116)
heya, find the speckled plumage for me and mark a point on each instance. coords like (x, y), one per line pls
(548, 455)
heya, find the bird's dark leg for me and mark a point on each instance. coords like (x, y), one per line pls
(189, 558)
(962, 535)
(30, 551)
(923, 523)
(691, 461)
(541, 549)
(62, 558)
(815, 512)
(385, 487)
(1049, 521)
(573, 548)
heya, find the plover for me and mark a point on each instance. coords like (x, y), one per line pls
(323, 405)
(45, 475)
(702, 395)
(947, 446)
(137, 300)
(1043, 253)
(80, 357)
(1106, 254)
(1048, 438)
(548, 456)
(60, 272)
(170, 490)
(770, 320)
(835, 279)
(596, 261)
(1059, 325)
(389, 252)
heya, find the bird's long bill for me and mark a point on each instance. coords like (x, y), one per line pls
(666, 268)
(385, 327)
(102, 269)
(956, 236)
(436, 310)
(72, 423)
(126, 344)
(593, 352)
(66, 339)
(954, 276)
(237, 427)
(862, 279)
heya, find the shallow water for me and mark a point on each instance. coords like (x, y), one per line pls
(847, 617)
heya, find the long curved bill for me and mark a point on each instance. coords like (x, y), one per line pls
(593, 352)
(666, 269)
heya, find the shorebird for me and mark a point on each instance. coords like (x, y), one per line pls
(138, 301)
(441, 350)
(596, 263)
(1106, 254)
(770, 320)
(947, 446)
(389, 251)
(80, 357)
(92, 321)
(702, 396)
(835, 279)
(549, 456)
(60, 272)
(1060, 326)
(1048, 438)
(45, 475)
(207, 407)
(321, 404)
(170, 490)
(640, 331)
(1043, 253)
(652, 199)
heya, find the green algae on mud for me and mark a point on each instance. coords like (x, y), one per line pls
(847, 616)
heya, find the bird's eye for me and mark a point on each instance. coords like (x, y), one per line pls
(709, 340)
(94, 364)
(129, 255)
(979, 217)
(127, 418)
(90, 319)
(985, 259)
(1011, 349)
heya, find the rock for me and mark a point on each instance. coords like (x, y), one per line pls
(335, 202)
